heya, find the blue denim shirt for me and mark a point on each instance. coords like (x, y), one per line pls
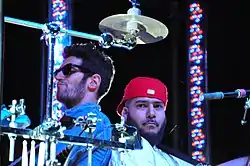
(79, 154)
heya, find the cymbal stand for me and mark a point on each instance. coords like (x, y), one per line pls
(132, 26)
(50, 34)
(105, 40)
(246, 107)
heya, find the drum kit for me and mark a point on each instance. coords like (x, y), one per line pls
(122, 30)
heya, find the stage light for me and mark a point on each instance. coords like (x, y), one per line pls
(196, 83)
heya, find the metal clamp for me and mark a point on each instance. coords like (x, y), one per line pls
(246, 107)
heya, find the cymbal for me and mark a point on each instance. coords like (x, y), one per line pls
(148, 29)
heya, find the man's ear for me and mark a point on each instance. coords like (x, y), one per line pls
(94, 82)
(125, 113)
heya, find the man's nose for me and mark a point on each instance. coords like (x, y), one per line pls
(59, 75)
(151, 111)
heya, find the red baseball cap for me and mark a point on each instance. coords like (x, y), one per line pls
(144, 87)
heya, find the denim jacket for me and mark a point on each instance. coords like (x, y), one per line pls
(79, 154)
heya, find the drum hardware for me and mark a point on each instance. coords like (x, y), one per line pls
(25, 154)
(20, 108)
(5, 113)
(51, 128)
(88, 124)
(13, 114)
(25, 158)
(105, 40)
(125, 31)
(52, 131)
(246, 107)
(12, 138)
(32, 153)
(125, 134)
(14, 117)
(67, 139)
(91, 121)
(41, 154)
(121, 30)
(48, 132)
(133, 27)
(122, 129)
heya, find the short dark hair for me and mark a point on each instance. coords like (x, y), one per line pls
(96, 61)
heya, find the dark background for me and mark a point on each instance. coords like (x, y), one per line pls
(167, 60)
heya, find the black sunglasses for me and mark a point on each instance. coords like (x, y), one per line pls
(69, 69)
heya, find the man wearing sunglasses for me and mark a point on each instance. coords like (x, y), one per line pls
(82, 80)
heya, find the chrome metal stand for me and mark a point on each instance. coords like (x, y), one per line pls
(106, 40)
(1, 55)
(246, 107)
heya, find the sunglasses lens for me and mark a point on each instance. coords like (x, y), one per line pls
(66, 70)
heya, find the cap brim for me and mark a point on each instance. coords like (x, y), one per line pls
(119, 108)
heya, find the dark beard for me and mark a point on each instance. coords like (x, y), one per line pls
(73, 96)
(152, 138)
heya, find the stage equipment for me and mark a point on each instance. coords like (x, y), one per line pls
(124, 31)
(51, 132)
(1, 56)
(14, 117)
(238, 93)
(133, 27)
(1, 51)
(198, 117)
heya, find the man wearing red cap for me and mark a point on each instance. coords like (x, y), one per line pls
(143, 106)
